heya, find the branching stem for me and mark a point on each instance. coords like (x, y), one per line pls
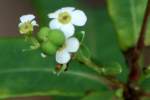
(132, 56)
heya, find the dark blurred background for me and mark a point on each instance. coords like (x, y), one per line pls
(10, 12)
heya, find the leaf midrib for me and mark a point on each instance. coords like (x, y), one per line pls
(47, 70)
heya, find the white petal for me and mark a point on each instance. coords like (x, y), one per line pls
(62, 57)
(54, 14)
(54, 24)
(72, 45)
(26, 18)
(34, 23)
(68, 30)
(68, 9)
(78, 18)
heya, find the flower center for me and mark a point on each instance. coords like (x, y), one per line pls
(26, 27)
(64, 18)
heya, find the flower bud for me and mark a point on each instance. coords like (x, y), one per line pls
(48, 48)
(57, 37)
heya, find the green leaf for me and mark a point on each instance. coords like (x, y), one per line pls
(28, 74)
(147, 37)
(65, 98)
(127, 17)
(99, 96)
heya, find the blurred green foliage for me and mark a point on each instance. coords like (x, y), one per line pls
(127, 17)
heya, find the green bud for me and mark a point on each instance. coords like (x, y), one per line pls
(43, 34)
(48, 48)
(26, 28)
(57, 37)
(112, 69)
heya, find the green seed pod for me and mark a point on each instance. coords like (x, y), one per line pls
(43, 34)
(48, 48)
(57, 37)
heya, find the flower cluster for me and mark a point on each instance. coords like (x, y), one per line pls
(59, 37)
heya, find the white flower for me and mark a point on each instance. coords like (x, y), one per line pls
(63, 55)
(27, 23)
(65, 19)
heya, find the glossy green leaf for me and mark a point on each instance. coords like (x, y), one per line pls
(127, 17)
(147, 37)
(65, 98)
(28, 74)
(99, 96)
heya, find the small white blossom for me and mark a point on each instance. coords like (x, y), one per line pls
(63, 55)
(27, 22)
(65, 19)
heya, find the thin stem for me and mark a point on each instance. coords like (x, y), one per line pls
(92, 65)
(111, 82)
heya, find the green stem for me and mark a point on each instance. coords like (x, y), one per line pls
(34, 42)
(111, 82)
(92, 65)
